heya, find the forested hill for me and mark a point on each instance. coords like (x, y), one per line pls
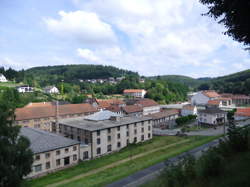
(70, 73)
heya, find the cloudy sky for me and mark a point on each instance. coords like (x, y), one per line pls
(152, 37)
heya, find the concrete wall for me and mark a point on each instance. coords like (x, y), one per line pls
(151, 110)
(199, 99)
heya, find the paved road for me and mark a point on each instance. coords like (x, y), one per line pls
(152, 172)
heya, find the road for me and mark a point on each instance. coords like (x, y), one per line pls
(143, 176)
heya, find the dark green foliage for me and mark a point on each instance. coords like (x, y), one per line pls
(230, 114)
(15, 156)
(234, 15)
(204, 86)
(185, 119)
(78, 99)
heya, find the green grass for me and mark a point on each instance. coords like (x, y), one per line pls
(9, 84)
(125, 169)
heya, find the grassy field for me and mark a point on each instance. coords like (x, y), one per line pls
(9, 84)
(124, 169)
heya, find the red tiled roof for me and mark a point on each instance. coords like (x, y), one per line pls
(26, 113)
(40, 104)
(188, 107)
(147, 102)
(213, 102)
(132, 90)
(132, 109)
(243, 112)
(114, 108)
(210, 93)
(164, 114)
(105, 103)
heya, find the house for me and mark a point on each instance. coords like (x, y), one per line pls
(212, 116)
(24, 89)
(202, 97)
(222, 102)
(106, 103)
(3, 78)
(136, 93)
(188, 110)
(116, 109)
(52, 152)
(51, 90)
(44, 116)
(242, 114)
(149, 106)
(164, 119)
(106, 132)
(238, 100)
(132, 111)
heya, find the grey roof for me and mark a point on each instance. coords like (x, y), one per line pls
(211, 111)
(101, 115)
(81, 123)
(43, 141)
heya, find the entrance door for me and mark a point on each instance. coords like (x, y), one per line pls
(66, 161)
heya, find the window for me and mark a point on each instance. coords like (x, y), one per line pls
(37, 157)
(142, 137)
(149, 128)
(149, 135)
(74, 148)
(78, 138)
(135, 140)
(86, 140)
(118, 144)
(109, 148)
(109, 138)
(118, 136)
(85, 155)
(127, 133)
(118, 128)
(47, 165)
(38, 168)
(109, 130)
(98, 133)
(66, 161)
(58, 162)
(47, 155)
(135, 131)
(127, 126)
(74, 157)
(66, 150)
(142, 123)
(58, 152)
(135, 125)
(98, 140)
(142, 129)
(98, 150)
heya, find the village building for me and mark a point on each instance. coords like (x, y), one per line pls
(132, 111)
(237, 99)
(44, 115)
(24, 89)
(105, 132)
(51, 90)
(164, 119)
(3, 78)
(52, 152)
(188, 110)
(212, 116)
(202, 97)
(136, 93)
(149, 106)
(103, 104)
(242, 114)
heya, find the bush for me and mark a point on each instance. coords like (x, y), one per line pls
(185, 119)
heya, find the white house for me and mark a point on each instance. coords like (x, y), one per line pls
(137, 93)
(202, 97)
(188, 110)
(51, 90)
(25, 89)
(212, 116)
(3, 78)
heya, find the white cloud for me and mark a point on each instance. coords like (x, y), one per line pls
(9, 62)
(87, 55)
(81, 25)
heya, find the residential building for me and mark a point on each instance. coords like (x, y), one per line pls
(238, 100)
(149, 106)
(106, 103)
(202, 97)
(242, 114)
(106, 132)
(116, 109)
(188, 110)
(212, 116)
(44, 116)
(3, 78)
(136, 93)
(51, 151)
(222, 102)
(132, 111)
(51, 90)
(24, 89)
(164, 119)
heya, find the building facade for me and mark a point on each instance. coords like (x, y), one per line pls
(188, 110)
(202, 97)
(51, 90)
(137, 93)
(212, 116)
(3, 78)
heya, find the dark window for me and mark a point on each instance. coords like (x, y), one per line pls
(66, 161)
(142, 129)
(135, 131)
(47, 155)
(118, 128)
(98, 150)
(74, 157)
(142, 137)
(118, 135)
(85, 155)
(58, 152)
(109, 148)
(149, 135)
(58, 162)
(127, 126)
(109, 130)
(135, 125)
(127, 133)
(149, 128)
(66, 150)
(37, 157)
(38, 168)
(98, 133)
(135, 140)
(86, 140)
(118, 144)
(98, 141)
(74, 148)
(142, 123)
(109, 138)
(47, 165)
(78, 138)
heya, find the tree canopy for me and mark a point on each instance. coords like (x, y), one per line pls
(234, 15)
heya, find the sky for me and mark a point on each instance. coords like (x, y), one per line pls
(151, 37)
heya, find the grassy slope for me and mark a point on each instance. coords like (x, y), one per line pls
(125, 169)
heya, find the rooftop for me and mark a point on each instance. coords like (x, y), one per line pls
(243, 112)
(146, 102)
(132, 109)
(210, 93)
(163, 114)
(133, 90)
(102, 115)
(84, 124)
(43, 141)
(212, 110)
(188, 107)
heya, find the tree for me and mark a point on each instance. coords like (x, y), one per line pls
(15, 156)
(234, 14)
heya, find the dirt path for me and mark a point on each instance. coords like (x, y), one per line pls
(94, 171)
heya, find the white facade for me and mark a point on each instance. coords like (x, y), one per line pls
(24, 89)
(189, 111)
(135, 93)
(199, 99)
(51, 90)
(151, 110)
(211, 119)
(3, 78)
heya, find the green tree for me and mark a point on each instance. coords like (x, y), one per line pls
(15, 156)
